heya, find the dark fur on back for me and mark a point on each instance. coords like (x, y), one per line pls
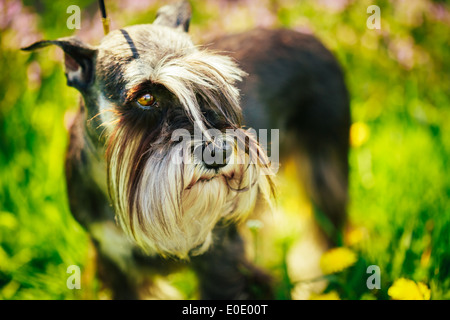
(296, 85)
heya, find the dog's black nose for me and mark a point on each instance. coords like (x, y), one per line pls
(216, 154)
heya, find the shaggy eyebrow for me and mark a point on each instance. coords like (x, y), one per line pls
(130, 42)
(140, 88)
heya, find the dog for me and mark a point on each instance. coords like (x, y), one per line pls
(162, 165)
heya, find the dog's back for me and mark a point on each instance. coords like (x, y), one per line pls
(295, 84)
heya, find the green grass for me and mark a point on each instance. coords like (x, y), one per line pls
(400, 181)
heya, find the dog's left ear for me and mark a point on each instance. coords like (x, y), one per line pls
(78, 60)
(176, 15)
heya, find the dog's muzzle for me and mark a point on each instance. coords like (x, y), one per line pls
(183, 190)
(216, 155)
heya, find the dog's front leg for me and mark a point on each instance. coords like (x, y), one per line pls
(225, 273)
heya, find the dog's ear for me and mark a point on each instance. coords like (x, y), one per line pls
(176, 15)
(78, 60)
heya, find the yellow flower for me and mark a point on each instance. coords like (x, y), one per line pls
(354, 236)
(359, 134)
(332, 295)
(337, 259)
(405, 289)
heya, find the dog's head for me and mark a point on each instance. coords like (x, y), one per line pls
(168, 118)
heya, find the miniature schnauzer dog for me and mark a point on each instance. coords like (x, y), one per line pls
(145, 194)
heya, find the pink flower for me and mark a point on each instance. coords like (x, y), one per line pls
(334, 5)
(18, 23)
(8, 10)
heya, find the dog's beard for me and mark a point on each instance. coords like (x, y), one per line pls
(169, 203)
(172, 206)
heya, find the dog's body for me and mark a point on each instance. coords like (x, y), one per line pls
(295, 84)
(121, 180)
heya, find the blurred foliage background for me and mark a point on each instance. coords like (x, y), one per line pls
(400, 183)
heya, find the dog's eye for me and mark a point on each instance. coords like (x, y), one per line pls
(146, 100)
